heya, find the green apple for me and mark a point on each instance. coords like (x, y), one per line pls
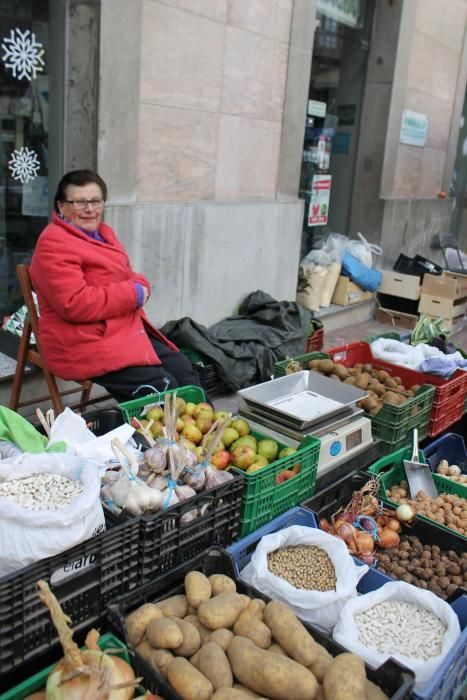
(241, 426)
(268, 449)
(245, 440)
(286, 451)
(156, 413)
(229, 436)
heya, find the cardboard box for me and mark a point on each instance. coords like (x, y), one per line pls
(396, 318)
(447, 286)
(347, 292)
(399, 285)
(442, 307)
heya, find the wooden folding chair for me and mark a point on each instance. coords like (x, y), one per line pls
(31, 352)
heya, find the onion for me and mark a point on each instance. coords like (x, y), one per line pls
(367, 558)
(393, 524)
(388, 538)
(346, 532)
(90, 673)
(405, 513)
(324, 525)
(365, 542)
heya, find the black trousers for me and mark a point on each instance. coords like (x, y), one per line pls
(133, 382)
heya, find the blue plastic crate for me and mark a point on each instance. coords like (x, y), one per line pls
(447, 682)
(450, 447)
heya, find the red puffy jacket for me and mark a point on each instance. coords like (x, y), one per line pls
(89, 320)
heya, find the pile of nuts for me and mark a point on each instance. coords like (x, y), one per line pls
(404, 628)
(425, 566)
(447, 509)
(41, 491)
(304, 566)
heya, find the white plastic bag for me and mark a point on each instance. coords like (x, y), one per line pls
(72, 429)
(363, 251)
(346, 632)
(29, 535)
(319, 608)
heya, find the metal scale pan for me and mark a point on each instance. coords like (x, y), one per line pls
(302, 399)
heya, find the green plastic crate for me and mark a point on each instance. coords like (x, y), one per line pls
(263, 499)
(134, 408)
(39, 680)
(393, 424)
(393, 472)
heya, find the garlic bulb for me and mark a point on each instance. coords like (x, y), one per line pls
(155, 458)
(184, 492)
(454, 470)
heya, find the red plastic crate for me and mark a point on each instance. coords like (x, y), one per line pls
(315, 341)
(448, 401)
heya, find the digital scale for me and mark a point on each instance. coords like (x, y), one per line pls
(290, 408)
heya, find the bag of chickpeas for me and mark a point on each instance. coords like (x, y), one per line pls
(309, 570)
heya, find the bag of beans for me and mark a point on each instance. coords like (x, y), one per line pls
(48, 503)
(309, 570)
(403, 622)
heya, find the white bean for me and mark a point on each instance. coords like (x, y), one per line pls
(41, 491)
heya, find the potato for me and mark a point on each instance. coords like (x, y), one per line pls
(373, 692)
(161, 659)
(255, 608)
(163, 633)
(254, 629)
(345, 678)
(175, 606)
(350, 380)
(277, 649)
(368, 404)
(204, 633)
(287, 629)
(191, 638)
(341, 371)
(222, 637)
(189, 683)
(221, 611)
(272, 675)
(320, 693)
(319, 666)
(326, 366)
(146, 651)
(197, 588)
(214, 664)
(248, 691)
(392, 398)
(221, 583)
(137, 622)
(361, 380)
(232, 694)
(246, 600)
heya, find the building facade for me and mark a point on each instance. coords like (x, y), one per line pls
(208, 119)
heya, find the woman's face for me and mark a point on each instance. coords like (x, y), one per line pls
(87, 217)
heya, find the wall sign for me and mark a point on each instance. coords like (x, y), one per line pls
(319, 202)
(414, 128)
(316, 109)
(346, 114)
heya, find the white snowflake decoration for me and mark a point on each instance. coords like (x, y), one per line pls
(23, 54)
(24, 164)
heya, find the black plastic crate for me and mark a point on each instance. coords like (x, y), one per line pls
(165, 542)
(104, 420)
(416, 266)
(84, 578)
(395, 680)
(210, 381)
(390, 301)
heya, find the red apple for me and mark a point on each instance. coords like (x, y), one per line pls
(203, 423)
(243, 456)
(203, 406)
(221, 459)
(191, 432)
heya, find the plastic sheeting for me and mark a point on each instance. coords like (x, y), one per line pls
(244, 348)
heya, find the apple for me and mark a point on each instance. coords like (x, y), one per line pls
(156, 413)
(190, 407)
(221, 459)
(191, 432)
(241, 426)
(203, 406)
(187, 419)
(221, 415)
(199, 451)
(243, 456)
(245, 440)
(157, 429)
(220, 445)
(188, 443)
(204, 423)
(259, 459)
(180, 404)
(268, 449)
(229, 436)
(179, 425)
(286, 452)
(254, 467)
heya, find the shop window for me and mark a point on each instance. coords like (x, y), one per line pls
(338, 74)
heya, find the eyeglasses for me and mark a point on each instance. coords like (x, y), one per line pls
(81, 204)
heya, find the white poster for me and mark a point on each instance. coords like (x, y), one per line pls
(36, 197)
(319, 203)
(414, 128)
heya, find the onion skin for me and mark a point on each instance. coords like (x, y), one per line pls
(365, 542)
(75, 689)
(324, 525)
(393, 524)
(405, 514)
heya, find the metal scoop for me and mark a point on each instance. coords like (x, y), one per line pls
(419, 475)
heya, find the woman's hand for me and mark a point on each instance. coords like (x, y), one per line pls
(146, 296)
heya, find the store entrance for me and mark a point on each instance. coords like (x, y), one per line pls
(337, 81)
